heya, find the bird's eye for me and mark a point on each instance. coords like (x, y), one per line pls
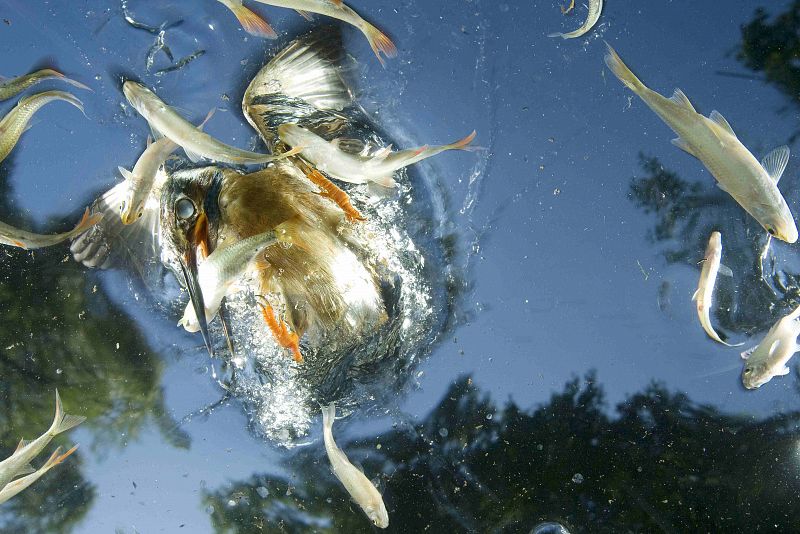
(184, 209)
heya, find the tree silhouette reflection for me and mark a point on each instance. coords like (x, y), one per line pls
(60, 330)
(773, 48)
(660, 463)
(685, 215)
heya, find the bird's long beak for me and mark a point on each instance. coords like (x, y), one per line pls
(199, 238)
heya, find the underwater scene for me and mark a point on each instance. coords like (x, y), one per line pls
(326, 266)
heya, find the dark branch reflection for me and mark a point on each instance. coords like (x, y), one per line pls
(773, 48)
(660, 463)
(60, 330)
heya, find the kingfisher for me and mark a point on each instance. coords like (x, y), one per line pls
(317, 281)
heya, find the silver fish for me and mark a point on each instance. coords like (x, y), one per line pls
(15, 122)
(595, 8)
(10, 235)
(27, 451)
(11, 87)
(705, 289)
(355, 482)
(222, 268)
(197, 144)
(140, 180)
(336, 9)
(357, 169)
(770, 357)
(712, 140)
(15, 487)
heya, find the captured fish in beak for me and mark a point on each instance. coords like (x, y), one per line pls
(183, 216)
(189, 267)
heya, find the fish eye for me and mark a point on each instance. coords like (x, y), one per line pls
(184, 209)
(122, 206)
(770, 230)
(140, 214)
(748, 370)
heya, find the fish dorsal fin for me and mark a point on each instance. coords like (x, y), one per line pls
(21, 445)
(749, 352)
(383, 153)
(724, 270)
(305, 14)
(696, 294)
(717, 118)
(193, 156)
(774, 347)
(775, 162)
(128, 175)
(682, 100)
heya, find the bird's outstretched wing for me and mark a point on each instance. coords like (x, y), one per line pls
(111, 243)
(304, 83)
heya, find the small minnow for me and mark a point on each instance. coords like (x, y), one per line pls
(595, 7)
(182, 62)
(15, 122)
(197, 144)
(9, 235)
(705, 289)
(140, 179)
(220, 269)
(769, 358)
(712, 140)
(27, 451)
(355, 482)
(13, 86)
(357, 169)
(255, 25)
(16, 486)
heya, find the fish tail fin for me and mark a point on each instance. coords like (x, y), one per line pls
(558, 34)
(328, 415)
(60, 75)
(208, 118)
(732, 344)
(56, 458)
(250, 21)
(87, 221)
(62, 421)
(379, 43)
(76, 83)
(621, 71)
(65, 96)
(463, 144)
